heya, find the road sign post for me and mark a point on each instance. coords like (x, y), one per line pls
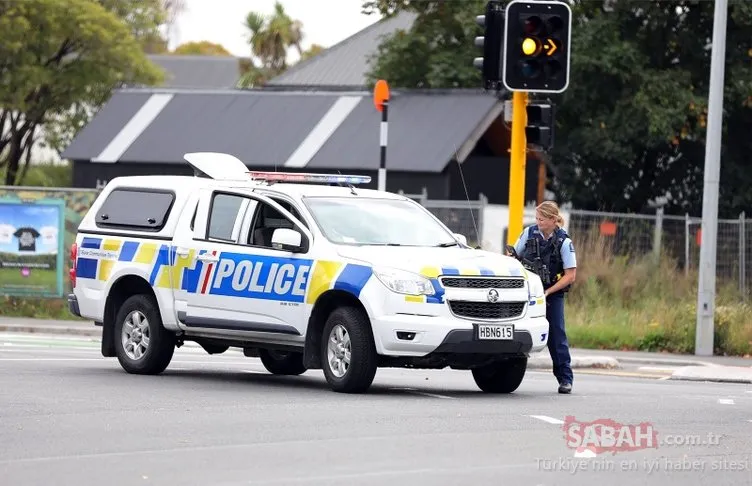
(537, 38)
(381, 101)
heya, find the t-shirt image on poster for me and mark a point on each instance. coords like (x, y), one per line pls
(27, 238)
(49, 235)
(6, 233)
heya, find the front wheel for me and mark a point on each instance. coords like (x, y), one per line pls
(501, 377)
(348, 353)
(142, 344)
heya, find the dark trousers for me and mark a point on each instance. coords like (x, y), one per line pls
(558, 346)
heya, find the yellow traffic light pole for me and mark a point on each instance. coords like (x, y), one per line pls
(518, 152)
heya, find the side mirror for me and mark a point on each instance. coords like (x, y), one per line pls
(287, 239)
(461, 238)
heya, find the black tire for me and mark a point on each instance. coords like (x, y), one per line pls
(359, 375)
(501, 377)
(161, 343)
(282, 362)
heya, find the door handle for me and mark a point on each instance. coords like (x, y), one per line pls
(208, 257)
(182, 252)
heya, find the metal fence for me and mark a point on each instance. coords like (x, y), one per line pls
(464, 217)
(627, 234)
(678, 237)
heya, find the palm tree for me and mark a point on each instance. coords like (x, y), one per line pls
(270, 39)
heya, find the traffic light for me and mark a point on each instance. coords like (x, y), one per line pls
(491, 43)
(540, 125)
(536, 46)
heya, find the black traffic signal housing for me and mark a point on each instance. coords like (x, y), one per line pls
(536, 46)
(491, 42)
(540, 125)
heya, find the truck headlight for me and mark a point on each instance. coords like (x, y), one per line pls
(404, 282)
(536, 285)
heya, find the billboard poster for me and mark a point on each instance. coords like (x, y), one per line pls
(31, 247)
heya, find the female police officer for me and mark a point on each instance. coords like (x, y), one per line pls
(549, 243)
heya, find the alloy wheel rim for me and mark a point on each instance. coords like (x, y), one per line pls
(135, 335)
(339, 351)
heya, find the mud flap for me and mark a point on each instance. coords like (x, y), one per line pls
(108, 343)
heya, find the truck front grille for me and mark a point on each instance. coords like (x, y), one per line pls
(483, 283)
(486, 310)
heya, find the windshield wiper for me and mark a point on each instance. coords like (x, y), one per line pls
(448, 244)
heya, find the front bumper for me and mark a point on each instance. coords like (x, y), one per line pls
(462, 341)
(414, 335)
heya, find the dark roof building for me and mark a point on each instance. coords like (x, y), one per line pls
(198, 72)
(147, 131)
(346, 63)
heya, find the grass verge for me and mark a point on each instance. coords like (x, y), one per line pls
(638, 303)
(37, 308)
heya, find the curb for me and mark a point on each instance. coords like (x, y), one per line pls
(717, 374)
(57, 330)
(665, 361)
(578, 362)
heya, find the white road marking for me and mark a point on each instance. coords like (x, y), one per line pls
(586, 453)
(725, 401)
(548, 419)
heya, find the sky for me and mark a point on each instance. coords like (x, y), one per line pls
(325, 22)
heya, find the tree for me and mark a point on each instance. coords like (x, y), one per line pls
(201, 48)
(60, 60)
(631, 126)
(312, 51)
(270, 39)
(438, 50)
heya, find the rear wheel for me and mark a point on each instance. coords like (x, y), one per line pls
(501, 377)
(143, 346)
(282, 362)
(348, 353)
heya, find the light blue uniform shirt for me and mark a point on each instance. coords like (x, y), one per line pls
(568, 257)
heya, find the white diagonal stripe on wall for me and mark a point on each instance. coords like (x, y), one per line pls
(324, 129)
(134, 128)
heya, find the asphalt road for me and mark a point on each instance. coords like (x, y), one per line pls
(69, 416)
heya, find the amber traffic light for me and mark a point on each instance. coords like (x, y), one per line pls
(536, 46)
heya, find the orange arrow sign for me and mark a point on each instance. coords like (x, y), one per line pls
(550, 47)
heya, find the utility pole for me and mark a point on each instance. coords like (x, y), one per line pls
(706, 285)
(518, 152)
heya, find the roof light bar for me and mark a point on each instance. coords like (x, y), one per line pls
(309, 177)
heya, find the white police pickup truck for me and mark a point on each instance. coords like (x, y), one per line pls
(305, 271)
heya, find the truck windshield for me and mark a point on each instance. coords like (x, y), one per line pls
(372, 221)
